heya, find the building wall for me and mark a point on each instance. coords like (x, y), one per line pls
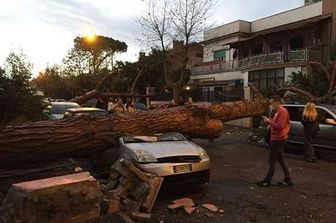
(295, 15)
(329, 7)
(210, 48)
(289, 71)
(227, 76)
(195, 55)
(233, 27)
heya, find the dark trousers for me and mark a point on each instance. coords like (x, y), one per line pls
(309, 150)
(276, 155)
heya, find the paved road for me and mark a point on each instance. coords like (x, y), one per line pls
(236, 166)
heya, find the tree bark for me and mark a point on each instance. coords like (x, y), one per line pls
(50, 140)
(177, 94)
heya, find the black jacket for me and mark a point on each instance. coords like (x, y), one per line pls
(309, 126)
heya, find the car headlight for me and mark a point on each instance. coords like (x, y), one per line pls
(143, 156)
(202, 153)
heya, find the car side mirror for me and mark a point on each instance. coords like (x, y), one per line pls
(46, 111)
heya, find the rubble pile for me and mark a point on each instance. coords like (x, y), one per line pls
(130, 192)
(71, 198)
(189, 206)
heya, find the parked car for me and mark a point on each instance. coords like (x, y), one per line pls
(140, 106)
(325, 138)
(57, 109)
(169, 155)
(87, 111)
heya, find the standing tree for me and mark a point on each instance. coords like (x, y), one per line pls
(89, 61)
(100, 48)
(18, 98)
(156, 25)
(184, 20)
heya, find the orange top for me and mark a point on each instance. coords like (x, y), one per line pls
(280, 125)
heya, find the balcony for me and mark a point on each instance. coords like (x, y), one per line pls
(293, 56)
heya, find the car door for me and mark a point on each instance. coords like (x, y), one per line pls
(327, 134)
(296, 134)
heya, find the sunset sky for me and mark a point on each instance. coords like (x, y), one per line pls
(45, 29)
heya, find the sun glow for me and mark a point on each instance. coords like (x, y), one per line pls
(90, 36)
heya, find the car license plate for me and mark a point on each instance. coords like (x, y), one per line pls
(182, 168)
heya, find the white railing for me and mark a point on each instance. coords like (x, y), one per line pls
(293, 56)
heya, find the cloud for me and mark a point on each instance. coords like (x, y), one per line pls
(45, 29)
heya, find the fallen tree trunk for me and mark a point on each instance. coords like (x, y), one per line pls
(49, 140)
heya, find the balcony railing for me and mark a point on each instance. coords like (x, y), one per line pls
(293, 56)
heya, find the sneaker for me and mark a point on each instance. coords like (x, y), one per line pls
(264, 183)
(285, 183)
(311, 160)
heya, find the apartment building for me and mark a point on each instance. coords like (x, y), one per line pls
(265, 51)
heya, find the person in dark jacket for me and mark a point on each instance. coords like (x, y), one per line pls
(310, 124)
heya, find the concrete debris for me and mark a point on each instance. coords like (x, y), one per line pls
(186, 202)
(78, 170)
(126, 218)
(155, 185)
(140, 216)
(131, 192)
(173, 207)
(189, 210)
(70, 198)
(189, 206)
(210, 207)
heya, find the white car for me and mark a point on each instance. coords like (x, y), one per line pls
(57, 109)
(169, 155)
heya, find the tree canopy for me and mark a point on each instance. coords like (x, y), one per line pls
(17, 97)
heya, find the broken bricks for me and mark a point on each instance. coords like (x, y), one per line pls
(210, 207)
(189, 210)
(134, 192)
(187, 204)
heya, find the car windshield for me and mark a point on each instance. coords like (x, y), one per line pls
(61, 108)
(155, 138)
(332, 108)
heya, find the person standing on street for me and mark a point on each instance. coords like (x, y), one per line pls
(280, 127)
(311, 127)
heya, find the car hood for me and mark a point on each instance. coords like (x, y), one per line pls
(166, 149)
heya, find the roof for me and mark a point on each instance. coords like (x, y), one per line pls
(287, 27)
(85, 109)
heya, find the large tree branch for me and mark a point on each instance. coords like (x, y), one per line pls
(140, 72)
(302, 92)
(323, 67)
(49, 140)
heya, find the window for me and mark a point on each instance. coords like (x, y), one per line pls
(294, 113)
(263, 79)
(257, 49)
(323, 116)
(296, 43)
(220, 55)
